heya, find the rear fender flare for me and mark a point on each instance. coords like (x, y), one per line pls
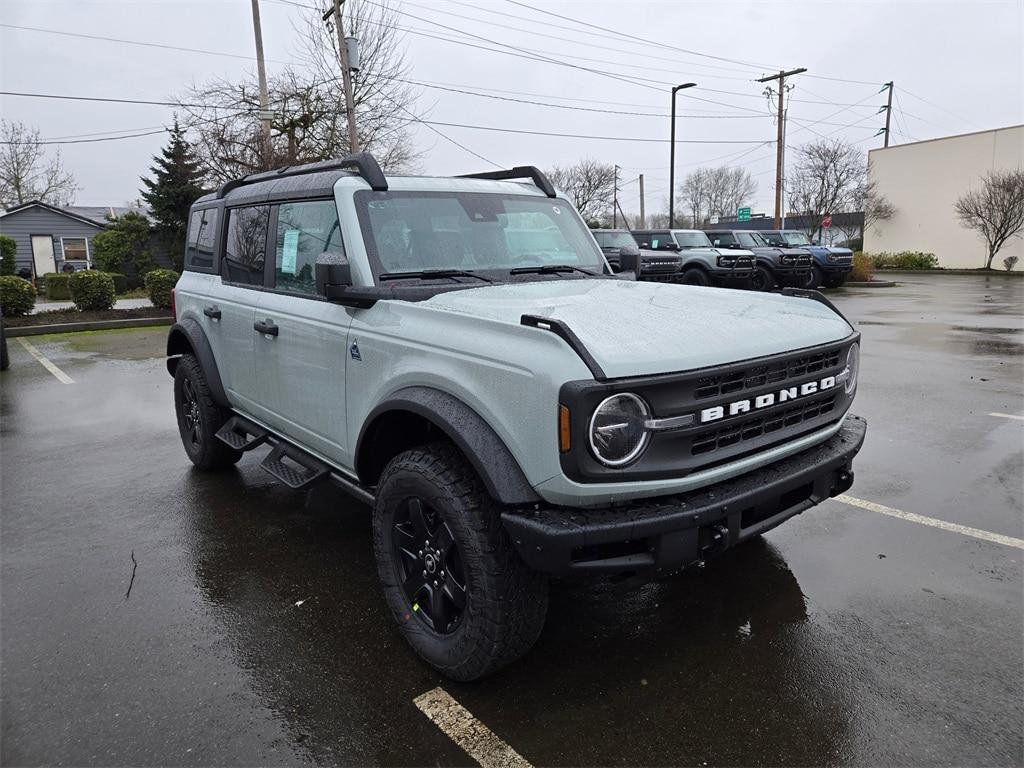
(188, 337)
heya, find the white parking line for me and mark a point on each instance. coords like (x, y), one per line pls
(62, 377)
(977, 533)
(1007, 416)
(474, 737)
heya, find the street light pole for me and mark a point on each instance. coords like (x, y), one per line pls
(672, 159)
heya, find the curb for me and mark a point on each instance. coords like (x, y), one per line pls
(976, 272)
(95, 325)
(871, 284)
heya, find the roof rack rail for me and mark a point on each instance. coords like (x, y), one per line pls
(519, 172)
(363, 162)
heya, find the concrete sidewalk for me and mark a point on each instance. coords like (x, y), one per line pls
(45, 305)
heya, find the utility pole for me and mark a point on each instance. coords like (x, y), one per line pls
(346, 75)
(615, 198)
(261, 69)
(643, 217)
(888, 113)
(781, 141)
(672, 158)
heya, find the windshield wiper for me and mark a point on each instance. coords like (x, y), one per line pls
(549, 269)
(432, 273)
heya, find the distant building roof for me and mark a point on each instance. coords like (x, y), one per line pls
(99, 215)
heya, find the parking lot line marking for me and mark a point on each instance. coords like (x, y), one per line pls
(977, 533)
(1007, 416)
(474, 737)
(62, 377)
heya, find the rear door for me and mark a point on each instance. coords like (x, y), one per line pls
(232, 304)
(301, 369)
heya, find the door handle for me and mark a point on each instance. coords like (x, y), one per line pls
(266, 326)
(212, 312)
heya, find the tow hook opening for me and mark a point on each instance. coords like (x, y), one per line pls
(714, 539)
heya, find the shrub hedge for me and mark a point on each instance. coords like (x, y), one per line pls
(120, 282)
(8, 252)
(56, 286)
(91, 289)
(17, 296)
(159, 283)
(863, 268)
(905, 260)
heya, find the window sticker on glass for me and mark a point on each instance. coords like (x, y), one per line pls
(290, 251)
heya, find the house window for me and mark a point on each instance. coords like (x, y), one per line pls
(75, 248)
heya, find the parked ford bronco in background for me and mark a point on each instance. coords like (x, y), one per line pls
(441, 348)
(702, 263)
(831, 265)
(775, 265)
(653, 265)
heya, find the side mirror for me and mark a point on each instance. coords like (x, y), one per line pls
(332, 273)
(629, 258)
(673, 247)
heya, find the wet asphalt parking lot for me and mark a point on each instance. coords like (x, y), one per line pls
(253, 631)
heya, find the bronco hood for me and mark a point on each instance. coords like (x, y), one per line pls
(638, 328)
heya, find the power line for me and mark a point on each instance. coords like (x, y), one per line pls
(115, 101)
(90, 141)
(637, 139)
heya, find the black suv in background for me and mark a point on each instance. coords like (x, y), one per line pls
(653, 265)
(776, 266)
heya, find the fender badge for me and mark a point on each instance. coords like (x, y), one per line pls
(354, 351)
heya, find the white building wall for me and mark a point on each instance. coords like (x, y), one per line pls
(923, 180)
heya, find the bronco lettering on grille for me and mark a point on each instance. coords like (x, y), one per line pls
(766, 400)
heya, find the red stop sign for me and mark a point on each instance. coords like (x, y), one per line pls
(826, 222)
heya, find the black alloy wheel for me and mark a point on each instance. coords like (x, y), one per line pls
(190, 414)
(761, 279)
(429, 565)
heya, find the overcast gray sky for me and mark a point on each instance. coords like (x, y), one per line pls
(958, 67)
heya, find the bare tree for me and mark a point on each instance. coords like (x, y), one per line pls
(829, 177)
(590, 184)
(26, 173)
(308, 100)
(996, 211)
(717, 192)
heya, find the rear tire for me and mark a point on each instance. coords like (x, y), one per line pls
(695, 276)
(762, 279)
(199, 418)
(432, 515)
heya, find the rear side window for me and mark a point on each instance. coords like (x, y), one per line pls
(202, 232)
(305, 231)
(245, 247)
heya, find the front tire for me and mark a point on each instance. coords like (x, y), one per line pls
(762, 279)
(695, 276)
(451, 576)
(199, 417)
(816, 279)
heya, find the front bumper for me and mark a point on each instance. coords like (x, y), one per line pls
(833, 269)
(675, 531)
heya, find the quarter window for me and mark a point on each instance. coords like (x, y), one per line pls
(202, 230)
(305, 231)
(245, 249)
(75, 248)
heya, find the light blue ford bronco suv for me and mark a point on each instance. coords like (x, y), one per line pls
(456, 353)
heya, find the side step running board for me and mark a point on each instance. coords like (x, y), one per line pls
(295, 468)
(241, 434)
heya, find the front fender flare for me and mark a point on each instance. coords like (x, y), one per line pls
(479, 443)
(189, 337)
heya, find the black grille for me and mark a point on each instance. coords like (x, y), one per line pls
(748, 429)
(761, 375)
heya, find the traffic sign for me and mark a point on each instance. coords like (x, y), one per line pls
(826, 222)
(743, 214)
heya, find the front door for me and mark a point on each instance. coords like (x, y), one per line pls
(42, 255)
(301, 369)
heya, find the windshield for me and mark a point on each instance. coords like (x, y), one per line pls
(472, 231)
(796, 238)
(692, 239)
(615, 240)
(750, 240)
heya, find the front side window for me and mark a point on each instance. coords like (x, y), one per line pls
(750, 240)
(75, 248)
(246, 245)
(202, 231)
(472, 231)
(692, 240)
(305, 231)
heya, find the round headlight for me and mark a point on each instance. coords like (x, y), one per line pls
(852, 367)
(617, 433)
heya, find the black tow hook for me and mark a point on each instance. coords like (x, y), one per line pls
(717, 540)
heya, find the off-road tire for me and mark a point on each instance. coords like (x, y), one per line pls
(762, 279)
(5, 361)
(835, 282)
(506, 603)
(695, 276)
(816, 279)
(207, 452)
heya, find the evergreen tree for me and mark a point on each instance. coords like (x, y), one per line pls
(176, 184)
